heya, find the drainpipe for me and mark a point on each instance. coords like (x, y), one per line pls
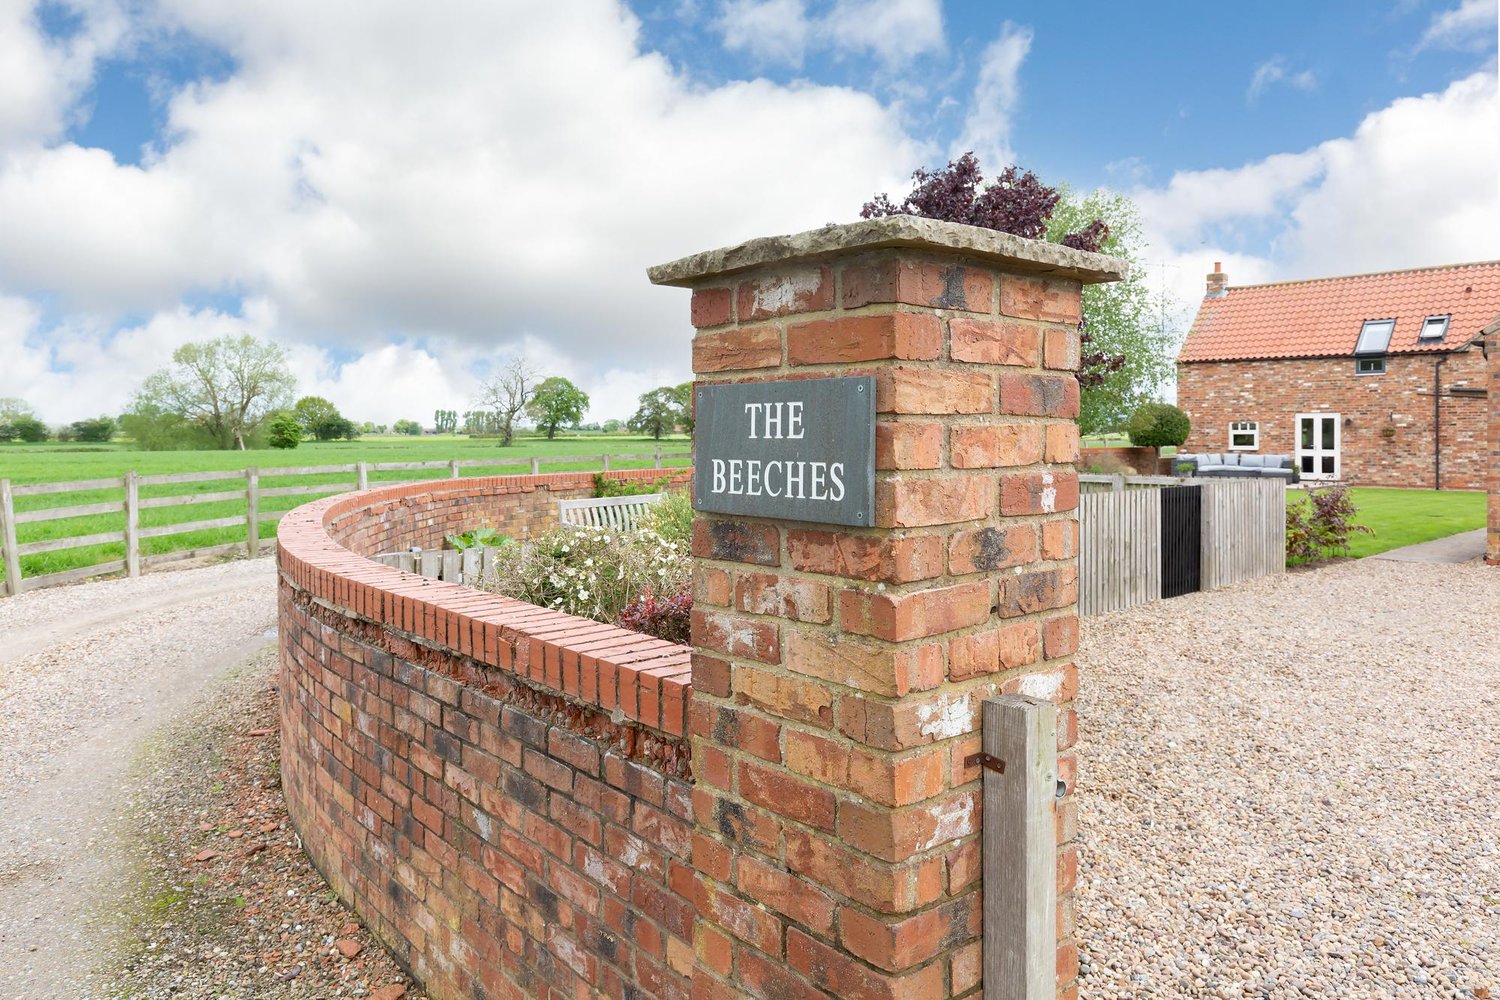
(1437, 426)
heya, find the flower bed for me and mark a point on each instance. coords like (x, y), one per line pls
(640, 580)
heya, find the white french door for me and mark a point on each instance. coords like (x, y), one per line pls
(1318, 445)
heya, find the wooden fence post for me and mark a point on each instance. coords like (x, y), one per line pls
(606, 463)
(536, 466)
(1020, 849)
(361, 475)
(8, 539)
(252, 512)
(132, 523)
(658, 456)
(1117, 483)
(453, 470)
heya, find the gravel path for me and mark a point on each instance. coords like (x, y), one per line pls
(86, 673)
(224, 903)
(1292, 789)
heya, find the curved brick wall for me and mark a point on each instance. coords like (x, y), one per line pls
(500, 791)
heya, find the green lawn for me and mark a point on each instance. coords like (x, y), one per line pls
(55, 462)
(1405, 517)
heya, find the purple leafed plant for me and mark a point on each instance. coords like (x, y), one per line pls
(1015, 202)
(1094, 366)
(666, 618)
(1321, 527)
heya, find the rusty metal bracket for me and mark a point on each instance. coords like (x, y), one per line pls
(986, 761)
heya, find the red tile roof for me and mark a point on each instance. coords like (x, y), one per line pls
(1322, 317)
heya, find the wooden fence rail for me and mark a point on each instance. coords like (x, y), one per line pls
(1120, 536)
(248, 489)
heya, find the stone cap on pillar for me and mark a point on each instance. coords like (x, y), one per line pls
(999, 250)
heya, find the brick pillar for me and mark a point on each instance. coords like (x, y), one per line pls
(838, 672)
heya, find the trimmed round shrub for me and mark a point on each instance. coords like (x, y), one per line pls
(1158, 425)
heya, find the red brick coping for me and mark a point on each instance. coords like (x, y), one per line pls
(322, 548)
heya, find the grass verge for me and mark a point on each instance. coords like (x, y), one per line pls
(1406, 517)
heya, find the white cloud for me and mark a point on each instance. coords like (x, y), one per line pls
(998, 90)
(782, 31)
(455, 181)
(41, 77)
(1275, 70)
(1414, 185)
(893, 30)
(1470, 25)
(773, 31)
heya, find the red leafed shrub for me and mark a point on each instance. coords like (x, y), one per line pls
(1322, 526)
(1014, 202)
(663, 617)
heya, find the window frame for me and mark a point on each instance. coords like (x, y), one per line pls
(1251, 427)
(1424, 337)
(1385, 345)
(1369, 359)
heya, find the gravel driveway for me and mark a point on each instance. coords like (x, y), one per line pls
(1291, 788)
(86, 673)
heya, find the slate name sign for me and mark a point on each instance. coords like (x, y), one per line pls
(802, 450)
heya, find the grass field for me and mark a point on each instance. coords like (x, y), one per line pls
(53, 462)
(1405, 517)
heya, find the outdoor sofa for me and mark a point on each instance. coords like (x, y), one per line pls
(1237, 464)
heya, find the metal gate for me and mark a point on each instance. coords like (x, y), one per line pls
(1181, 540)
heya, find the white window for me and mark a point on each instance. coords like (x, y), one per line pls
(1433, 328)
(1244, 435)
(1375, 336)
(1369, 366)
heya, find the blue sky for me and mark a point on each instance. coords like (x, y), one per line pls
(404, 196)
(1122, 89)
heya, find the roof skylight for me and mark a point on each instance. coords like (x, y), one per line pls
(1433, 328)
(1375, 336)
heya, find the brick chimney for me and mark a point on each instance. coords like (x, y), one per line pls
(1218, 283)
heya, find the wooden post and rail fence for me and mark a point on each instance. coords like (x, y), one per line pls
(247, 489)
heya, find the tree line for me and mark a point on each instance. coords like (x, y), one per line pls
(237, 393)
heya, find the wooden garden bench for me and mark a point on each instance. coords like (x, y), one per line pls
(618, 513)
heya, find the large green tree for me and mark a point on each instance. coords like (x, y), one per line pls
(556, 403)
(1124, 320)
(227, 386)
(684, 394)
(660, 412)
(313, 410)
(321, 419)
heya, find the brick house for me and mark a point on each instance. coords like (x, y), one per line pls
(1371, 379)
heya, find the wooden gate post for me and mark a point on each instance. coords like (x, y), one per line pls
(8, 539)
(252, 512)
(839, 671)
(1020, 848)
(132, 523)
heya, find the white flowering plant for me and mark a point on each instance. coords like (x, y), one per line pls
(591, 572)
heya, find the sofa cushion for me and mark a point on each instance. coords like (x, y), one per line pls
(1252, 461)
(1208, 459)
(1230, 459)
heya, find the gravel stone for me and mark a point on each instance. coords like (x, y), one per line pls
(86, 674)
(1291, 788)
